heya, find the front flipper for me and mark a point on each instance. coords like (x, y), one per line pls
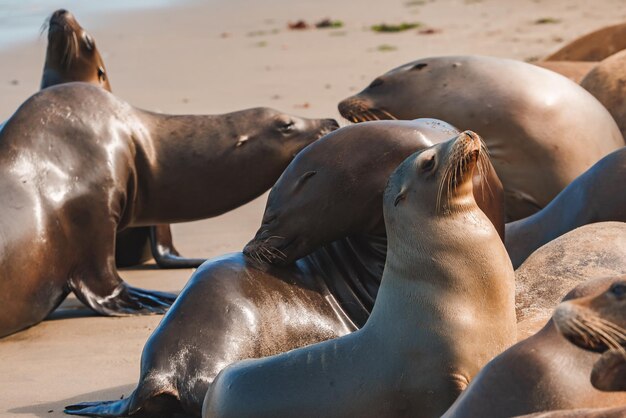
(100, 409)
(164, 252)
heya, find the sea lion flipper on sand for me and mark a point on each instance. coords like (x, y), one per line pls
(164, 252)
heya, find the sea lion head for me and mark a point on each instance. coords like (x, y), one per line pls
(333, 189)
(444, 171)
(595, 322)
(384, 96)
(71, 54)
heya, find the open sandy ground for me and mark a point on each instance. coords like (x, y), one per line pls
(219, 56)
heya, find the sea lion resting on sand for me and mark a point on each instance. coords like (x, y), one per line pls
(78, 165)
(597, 195)
(71, 56)
(593, 46)
(545, 371)
(447, 276)
(330, 198)
(541, 129)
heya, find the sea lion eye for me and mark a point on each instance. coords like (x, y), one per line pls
(428, 164)
(286, 126)
(101, 74)
(376, 82)
(619, 289)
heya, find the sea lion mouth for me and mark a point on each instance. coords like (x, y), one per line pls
(357, 111)
(262, 251)
(468, 152)
(62, 23)
(587, 330)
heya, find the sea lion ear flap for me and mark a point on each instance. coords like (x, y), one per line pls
(419, 66)
(400, 196)
(305, 177)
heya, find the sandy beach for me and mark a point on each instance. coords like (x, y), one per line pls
(220, 56)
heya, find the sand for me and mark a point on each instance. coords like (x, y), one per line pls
(220, 56)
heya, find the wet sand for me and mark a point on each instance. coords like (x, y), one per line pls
(215, 57)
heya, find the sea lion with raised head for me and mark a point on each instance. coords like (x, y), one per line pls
(597, 195)
(541, 129)
(541, 373)
(332, 286)
(447, 275)
(78, 165)
(593, 46)
(72, 55)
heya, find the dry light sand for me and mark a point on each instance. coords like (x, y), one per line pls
(220, 56)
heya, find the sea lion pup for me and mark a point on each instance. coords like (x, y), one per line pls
(574, 70)
(598, 323)
(78, 164)
(591, 251)
(597, 195)
(447, 275)
(607, 82)
(234, 308)
(72, 55)
(541, 129)
(541, 373)
(593, 46)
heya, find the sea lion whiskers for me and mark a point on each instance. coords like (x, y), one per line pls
(593, 331)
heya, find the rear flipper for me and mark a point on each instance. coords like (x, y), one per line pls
(164, 252)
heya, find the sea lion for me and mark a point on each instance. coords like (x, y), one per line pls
(78, 164)
(595, 250)
(615, 412)
(447, 275)
(72, 55)
(541, 373)
(344, 270)
(574, 70)
(593, 46)
(607, 82)
(541, 129)
(597, 195)
(598, 323)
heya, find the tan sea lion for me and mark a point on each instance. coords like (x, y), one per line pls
(72, 55)
(597, 195)
(574, 70)
(541, 129)
(541, 373)
(607, 82)
(593, 46)
(595, 250)
(447, 275)
(259, 310)
(78, 165)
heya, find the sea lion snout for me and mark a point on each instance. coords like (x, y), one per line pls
(62, 18)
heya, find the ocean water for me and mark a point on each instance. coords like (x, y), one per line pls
(22, 20)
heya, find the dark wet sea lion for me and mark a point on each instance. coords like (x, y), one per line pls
(78, 165)
(71, 56)
(607, 82)
(574, 70)
(541, 129)
(447, 276)
(597, 195)
(341, 268)
(591, 251)
(593, 46)
(541, 373)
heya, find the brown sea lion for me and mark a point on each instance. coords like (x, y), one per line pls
(78, 165)
(333, 288)
(607, 82)
(597, 195)
(447, 276)
(595, 250)
(541, 373)
(72, 55)
(574, 70)
(598, 323)
(541, 129)
(594, 46)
